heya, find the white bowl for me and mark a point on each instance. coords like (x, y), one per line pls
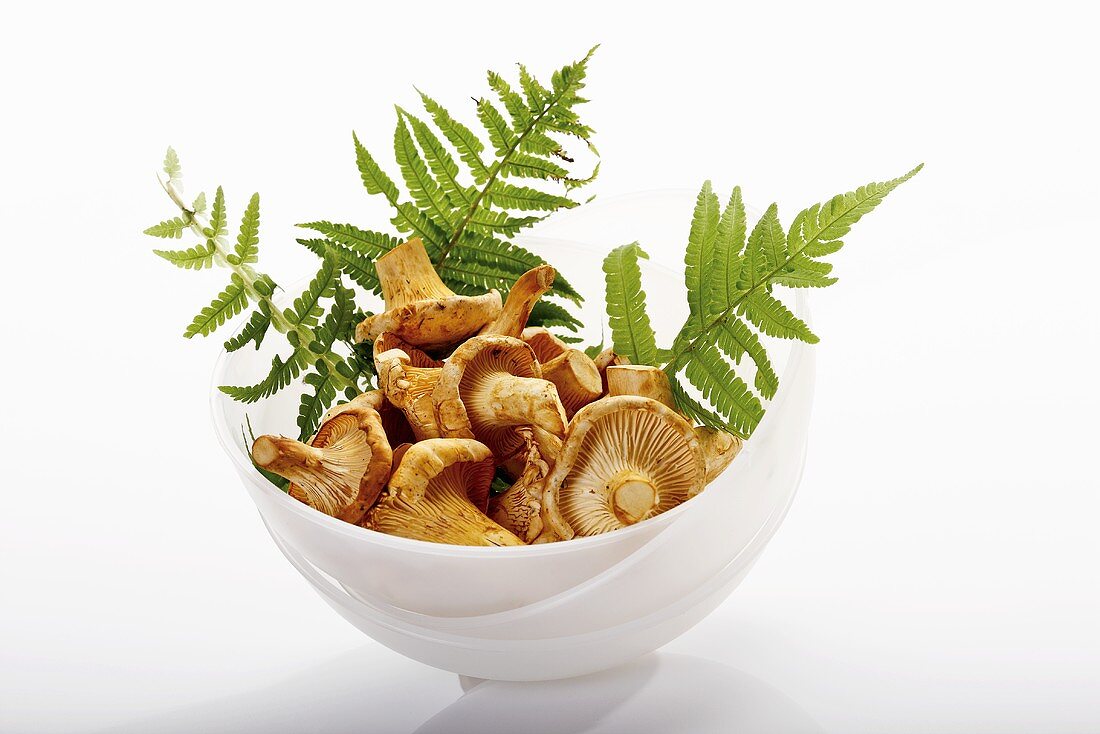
(545, 611)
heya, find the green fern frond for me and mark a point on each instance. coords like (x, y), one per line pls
(170, 228)
(172, 166)
(549, 314)
(219, 219)
(319, 395)
(282, 373)
(454, 194)
(230, 302)
(198, 257)
(631, 333)
(198, 206)
(730, 274)
(254, 330)
(248, 240)
(307, 309)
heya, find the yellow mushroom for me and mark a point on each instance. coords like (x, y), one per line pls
(625, 459)
(394, 422)
(491, 385)
(387, 340)
(410, 389)
(528, 289)
(420, 309)
(341, 471)
(438, 493)
(520, 508)
(719, 448)
(572, 371)
(608, 358)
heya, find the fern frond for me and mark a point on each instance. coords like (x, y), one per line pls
(170, 228)
(722, 387)
(254, 330)
(315, 401)
(307, 308)
(248, 239)
(729, 243)
(230, 302)
(172, 166)
(730, 286)
(549, 314)
(219, 219)
(282, 373)
(198, 206)
(631, 333)
(198, 257)
(700, 250)
(466, 228)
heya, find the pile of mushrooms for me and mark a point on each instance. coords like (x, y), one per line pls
(466, 392)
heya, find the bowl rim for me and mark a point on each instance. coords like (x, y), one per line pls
(248, 473)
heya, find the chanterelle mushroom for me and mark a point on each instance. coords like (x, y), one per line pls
(417, 357)
(520, 509)
(491, 385)
(438, 493)
(572, 371)
(719, 448)
(394, 422)
(410, 389)
(420, 309)
(528, 289)
(341, 471)
(608, 358)
(624, 460)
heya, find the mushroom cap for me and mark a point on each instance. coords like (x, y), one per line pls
(491, 385)
(409, 389)
(417, 357)
(438, 493)
(394, 422)
(520, 508)
(624, 460)
(545, 345)
(575, 376)
(420, 309)
(719, 449)
(341, 471)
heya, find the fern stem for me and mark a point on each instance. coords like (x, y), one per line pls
(249, 277)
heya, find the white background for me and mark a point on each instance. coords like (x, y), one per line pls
(938, 571)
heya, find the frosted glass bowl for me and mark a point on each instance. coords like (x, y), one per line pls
(545, 611)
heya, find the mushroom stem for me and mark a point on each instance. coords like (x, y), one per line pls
(406, 275)
(608, 358)
(278, 454)
(575, 375)
(649, 382)
(528, 289)
(524, 401)
(633, 496)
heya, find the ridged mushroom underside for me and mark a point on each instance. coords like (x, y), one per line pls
(630, 466)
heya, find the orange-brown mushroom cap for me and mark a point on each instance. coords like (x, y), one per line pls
(438, 493)
(625, 459)
(341, 471)
(491, 385)
(420, 309)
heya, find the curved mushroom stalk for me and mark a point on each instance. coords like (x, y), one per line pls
(520, 509)
(490, 386)
(624, 460)
(528, 289)
(438, 493)
(576, 377)
(608, 358)
(410, 389)
(420, 309)
(341, 471)
(719, 448)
